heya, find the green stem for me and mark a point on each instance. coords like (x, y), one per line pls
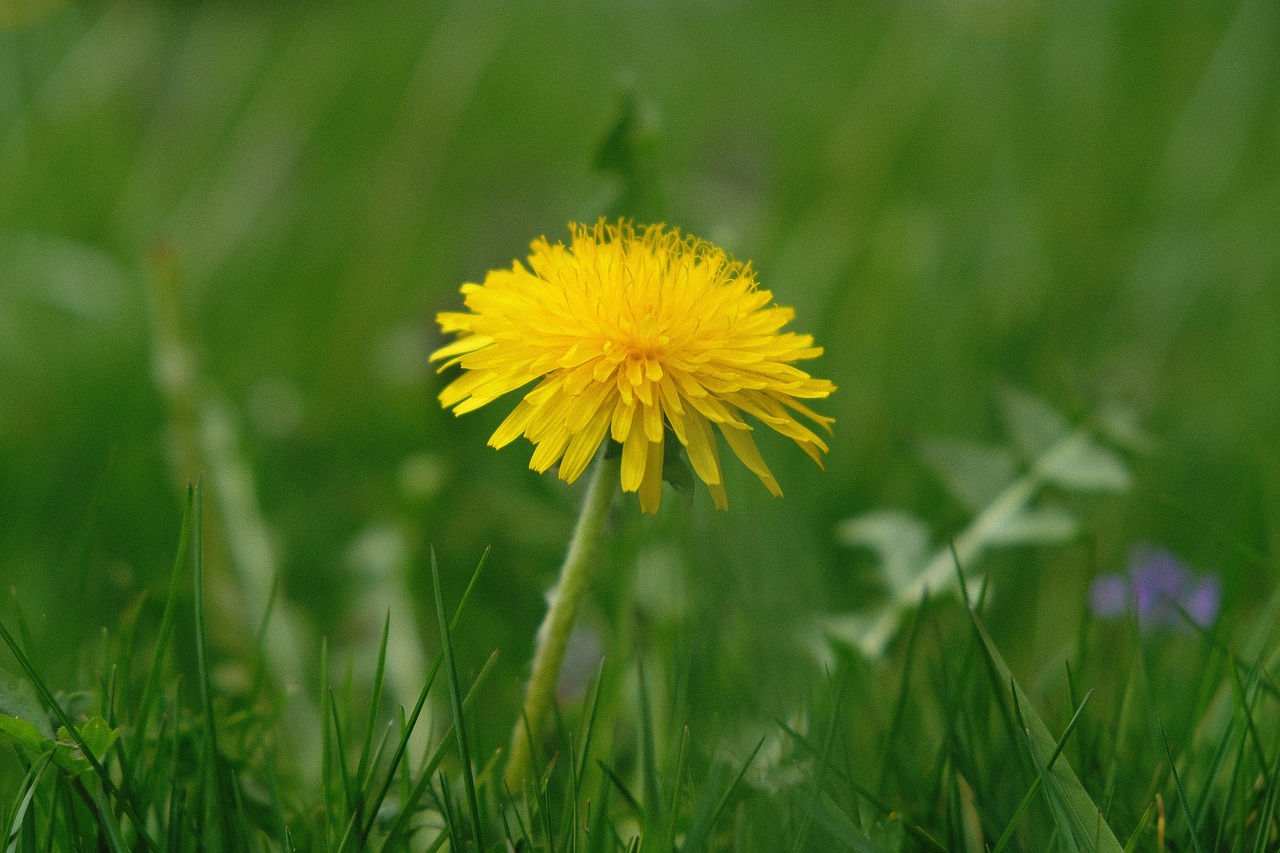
(562, 612)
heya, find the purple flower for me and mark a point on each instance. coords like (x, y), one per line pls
(1157, 586)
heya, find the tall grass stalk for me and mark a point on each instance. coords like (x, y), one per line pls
(205, 445)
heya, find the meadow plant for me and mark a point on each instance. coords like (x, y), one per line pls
(634, 335)
(1008, 488)
(1159, 589)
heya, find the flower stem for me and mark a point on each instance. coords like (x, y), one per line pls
(562, 612)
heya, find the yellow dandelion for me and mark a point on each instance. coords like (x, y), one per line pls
(634, 334)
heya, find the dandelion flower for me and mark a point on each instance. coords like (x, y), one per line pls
(639, 334)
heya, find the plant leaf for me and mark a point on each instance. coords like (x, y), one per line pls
(22, 733)
(1034, 425)
(1086, 466)
(973, 473)
(1079, 817)
(1119, 424)
(99, 737)
(18, 699)
(899, 540)
(1042, 525)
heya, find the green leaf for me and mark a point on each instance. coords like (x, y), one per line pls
(23, 733)
(98, 736)
(1119, 425)
(1080, 820)
(1086, 466)
(899, 540)
(1043, 525)
(54, 285)
(973, 473)
(18, 699)
(1034, 425)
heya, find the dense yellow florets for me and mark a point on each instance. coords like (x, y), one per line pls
(638, 334)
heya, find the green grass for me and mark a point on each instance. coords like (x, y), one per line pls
(225, 230)
(153, 762)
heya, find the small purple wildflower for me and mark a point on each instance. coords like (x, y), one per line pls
(1109, 596)
(1157, 585)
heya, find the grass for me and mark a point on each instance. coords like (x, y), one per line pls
(145, 761)
(225, 231)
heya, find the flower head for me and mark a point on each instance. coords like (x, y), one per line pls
(638, 334)
(1159, 588)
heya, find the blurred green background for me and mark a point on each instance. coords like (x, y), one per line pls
(1078, 199)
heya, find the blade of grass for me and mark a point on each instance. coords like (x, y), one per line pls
(375, 699)
(177, 809)
(326, 755)
(655, 815)
(589, 731)
(569, 800)
(824, 759)
(340, 741)
(1083, 817)
(1223, 747)
(1192, 829)
(107, 821)
(398, 757)
(431, 762)
(1132, 843)
(704, 822)
(866, 793)
(673, 813)
(444, 805)
(26, 791)
(904, 690)
(600, 831)
(851, 837)
(524, 838)
(219, 775)
(455, 699)
(260, 655)
(1266, 814)
(1035, 784)
(952, 691)
(622, 789)
(542, 792)
(52, 704)
(366, 762)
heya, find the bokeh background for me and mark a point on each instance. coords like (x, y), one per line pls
(1081, 200)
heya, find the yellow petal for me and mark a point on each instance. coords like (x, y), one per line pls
(652, 422)
(584, 407)
(513, 426)
(744, 447)
(623, 413)
(703, 454)
(462, 346)
(635, 457)
(651, 486)
(670, 396)
(583, 446)
(549, 450)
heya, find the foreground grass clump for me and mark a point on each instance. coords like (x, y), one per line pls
(1148, 740)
